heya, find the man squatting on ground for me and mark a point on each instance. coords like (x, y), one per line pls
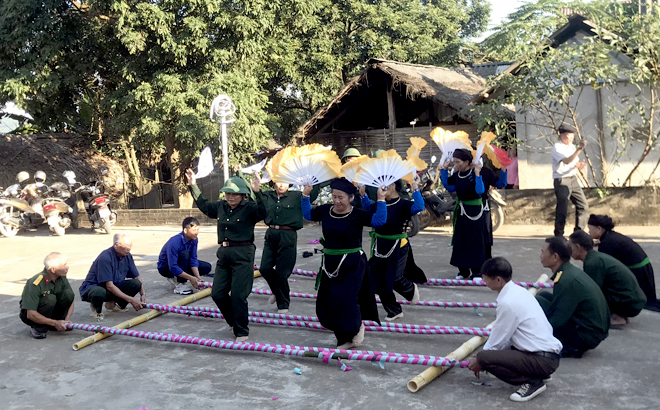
(47, 300)
(576, 308)
(178, 259)
(565, 168)
(619, 286)
(114, 279)
(521, 349)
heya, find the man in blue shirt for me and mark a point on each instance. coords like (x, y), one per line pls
(178, 259)
(114, 279)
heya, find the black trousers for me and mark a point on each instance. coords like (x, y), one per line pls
(52, 307)
(234, 273)
(516, 367)
(96, 295)
(184, 263)
(278, 261)
(568, 188)
(386, 276)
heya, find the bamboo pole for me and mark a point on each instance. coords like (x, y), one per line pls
(150, 315)
(141, 319)
(461, 353)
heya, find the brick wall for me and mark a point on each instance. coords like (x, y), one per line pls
(627, 206)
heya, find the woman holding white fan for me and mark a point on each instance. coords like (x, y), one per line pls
(344, 297)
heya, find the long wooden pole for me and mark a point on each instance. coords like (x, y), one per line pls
(141, 319)
(461, 353)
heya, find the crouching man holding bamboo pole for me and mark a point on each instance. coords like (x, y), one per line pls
(521, 349)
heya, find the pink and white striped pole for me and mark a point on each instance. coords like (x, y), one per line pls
(303, 351)
(441, 282)
(312, 324)
(403, 302)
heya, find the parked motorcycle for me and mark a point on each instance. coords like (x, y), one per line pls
(16, 213)
(440, 205)
(96, 203)
(437, 205)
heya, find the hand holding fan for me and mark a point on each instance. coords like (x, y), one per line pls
(384, 170)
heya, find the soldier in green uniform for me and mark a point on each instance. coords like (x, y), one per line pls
(577, 309)
(235, 268)
(619, 285)
(284, 219)
(47, 301)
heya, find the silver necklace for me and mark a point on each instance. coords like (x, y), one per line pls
(459, 174)
(340, 217)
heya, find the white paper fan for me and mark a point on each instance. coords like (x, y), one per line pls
(383, 171)
(303, 170)
(205, 165)
(255, 167)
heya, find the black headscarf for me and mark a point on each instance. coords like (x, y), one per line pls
(602, 221)
(344, 185)
(463, 154)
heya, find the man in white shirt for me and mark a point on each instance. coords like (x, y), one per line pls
(521, 349)
(565, 166)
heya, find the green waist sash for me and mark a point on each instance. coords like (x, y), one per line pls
(327, 251)
(641, 264)
(374, 235)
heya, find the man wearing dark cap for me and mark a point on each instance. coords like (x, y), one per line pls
(565, 166)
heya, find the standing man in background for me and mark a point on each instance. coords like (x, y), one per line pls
(565, 167)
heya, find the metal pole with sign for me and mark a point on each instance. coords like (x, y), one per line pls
(221, 109)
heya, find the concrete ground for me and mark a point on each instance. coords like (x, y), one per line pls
(127, 373)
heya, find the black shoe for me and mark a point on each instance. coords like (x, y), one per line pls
(571, 352)
(528, 391)
(38, 333)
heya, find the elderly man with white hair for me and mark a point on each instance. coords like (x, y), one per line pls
(113, 279)
(47, 301)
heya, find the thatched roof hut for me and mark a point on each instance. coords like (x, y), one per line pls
(392, 101)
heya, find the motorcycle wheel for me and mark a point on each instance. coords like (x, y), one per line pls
(425, 218)
(497, 215)
(413, 226)
(113, 218)
(107, 227)
(59, 230)
(8, 230)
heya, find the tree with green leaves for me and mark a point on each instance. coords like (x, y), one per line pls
(139, 75)
(550, 81)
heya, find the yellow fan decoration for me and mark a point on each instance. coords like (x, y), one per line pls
(449, 141)
(350, 168)
(412, 155)
(310, 164)
(484, 146)
(384, 170)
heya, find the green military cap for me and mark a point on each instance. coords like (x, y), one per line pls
(351, 152)
(235, 185)
(377, 153)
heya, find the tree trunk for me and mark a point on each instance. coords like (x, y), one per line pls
(131, 159)
(182, 197)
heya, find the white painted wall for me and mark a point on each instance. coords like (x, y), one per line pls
(535, 132)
